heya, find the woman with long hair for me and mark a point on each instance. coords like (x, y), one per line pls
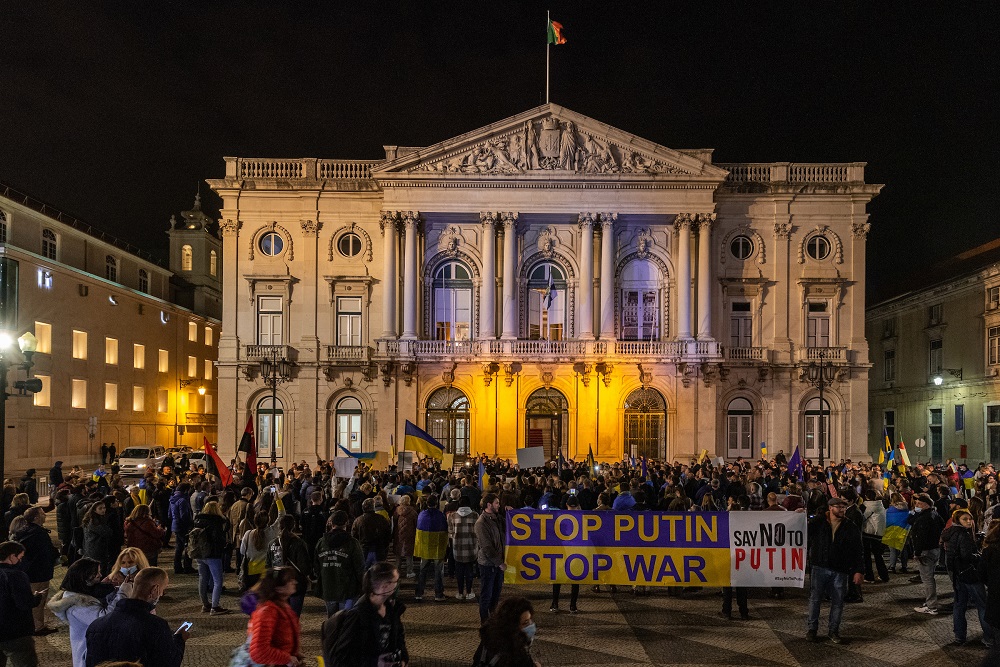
(212, 545)
(256, 541)
(82, 599)
(130, 560)
(273, 632)
(98, 535)
(144, 533)
(960, 546)
(294, 553)
(506, 636)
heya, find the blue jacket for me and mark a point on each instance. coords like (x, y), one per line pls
(181, 517)
(130, 632)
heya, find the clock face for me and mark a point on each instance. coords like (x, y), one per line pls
(271, 244)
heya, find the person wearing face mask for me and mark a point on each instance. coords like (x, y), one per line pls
(505, 638)
(132, 632)
(123, 572)
(369, 634)
(82, 599)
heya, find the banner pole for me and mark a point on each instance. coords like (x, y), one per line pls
(548, 20)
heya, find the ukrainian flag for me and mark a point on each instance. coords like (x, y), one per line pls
(419, 440)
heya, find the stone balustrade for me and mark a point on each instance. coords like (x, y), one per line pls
(790, 172)
(259, 352)
(811, 354)
(304, 168)
(349, 353)
(746, 354)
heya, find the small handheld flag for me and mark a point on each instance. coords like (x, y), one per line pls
(418, 440)
(795, 463)
(248, 445)
(225, 474)
(763, 450)
(903, 454)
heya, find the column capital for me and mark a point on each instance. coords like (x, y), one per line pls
(684, 221)
(487, 218)
(608, 220)
(411, 219)
(706, 220)
(783, 230)
(509, 220)
(309, 227)
(387, 219)
(585, 220)
(230, 227)
(861, 229)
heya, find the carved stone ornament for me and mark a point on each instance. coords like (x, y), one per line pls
(509, 220)
(273, 227)
(229, 227)
(385, 368)
(509, 370)
(645, 377)
(683, 221)
(488, 218)
(309, 227)
(388, 219)
(547, 144)
(348, 382)
(861, 229)
(407, 370)
(547, 377)
(448, 375)
(782, 229)
(449, 240)
(585, 220)
(706, 220)
(644, 243)
(356, 229)
(547, 241)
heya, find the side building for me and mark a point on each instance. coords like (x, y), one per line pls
(119, 359)
(545, 280)
(935, 382)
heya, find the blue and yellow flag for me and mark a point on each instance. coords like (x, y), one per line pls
(419, 440)
(763, 450)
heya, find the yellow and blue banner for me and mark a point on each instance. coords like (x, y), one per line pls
(656, 548)
(418, 440)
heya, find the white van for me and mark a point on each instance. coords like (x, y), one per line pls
(137, 460)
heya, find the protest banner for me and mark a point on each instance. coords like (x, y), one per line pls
(656, 548)
(530, 457)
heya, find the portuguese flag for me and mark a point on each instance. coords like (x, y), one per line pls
(556, 33)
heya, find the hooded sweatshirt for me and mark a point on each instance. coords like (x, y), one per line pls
(340, 566)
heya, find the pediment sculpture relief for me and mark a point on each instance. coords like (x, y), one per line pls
(547, 241)
(547, 144)
(450, 239)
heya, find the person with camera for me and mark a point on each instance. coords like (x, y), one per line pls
(369, 634)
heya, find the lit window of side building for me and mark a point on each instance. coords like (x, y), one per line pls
(101, 313)
(546, 280)
(935, 351)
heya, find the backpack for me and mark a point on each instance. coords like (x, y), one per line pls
(328, 635)
(198, 546)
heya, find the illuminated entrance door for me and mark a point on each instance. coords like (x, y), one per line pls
(546, 415)
(645, 424)
(448, 421)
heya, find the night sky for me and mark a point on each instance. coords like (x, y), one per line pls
(113, 111)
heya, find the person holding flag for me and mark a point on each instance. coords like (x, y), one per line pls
(418, 440)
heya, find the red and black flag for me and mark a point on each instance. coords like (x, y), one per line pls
(249, 445)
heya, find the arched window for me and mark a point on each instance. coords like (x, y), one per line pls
(349, 424)
(546, 302)
(187, 258)
(3, 227)
(448, 420)
(546, 419)
(111, 268)
(213, 263)
(739, 428)
(270, 427)
(646, 424)
(452, 302)
(812, 428)
(50, 244)
(640, 301)
(143, 281)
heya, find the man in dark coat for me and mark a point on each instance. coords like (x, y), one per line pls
(131, 632)
(39, 561)
(836, 555)
(16, 599)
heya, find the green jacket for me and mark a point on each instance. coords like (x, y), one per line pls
(340, 565)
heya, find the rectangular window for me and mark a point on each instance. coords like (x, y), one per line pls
(889, 328)
(889, 424)
(163, 361)
(192, 367)
(740, 325)
(889, 357)
(269, 320)
(935, 357)
(993, 297)
(79, 344)
(193, 331)
(43, 337)
(208, 369)
(452, 314)
(935, 314)
(818, 326)
(138, 398)
(994, 345)
(162, 400)
(42, 398)
(111, 351)
(348, 321)
(78, 397)
(44, 278)
(993, 432)
(959, 417)
(110, 396)
(209, 336)
(138, 356)
(640, 315)
(934, 430)
(208, 404)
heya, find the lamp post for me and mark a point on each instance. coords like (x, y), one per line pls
(274, 369)
(822, 373)
(27, 343)
(180, 385)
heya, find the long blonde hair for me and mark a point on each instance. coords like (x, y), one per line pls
(212, 507)
(135, 554)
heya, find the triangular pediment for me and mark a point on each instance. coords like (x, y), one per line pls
(545, 142)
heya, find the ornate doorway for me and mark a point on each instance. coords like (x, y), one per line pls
(546, 415)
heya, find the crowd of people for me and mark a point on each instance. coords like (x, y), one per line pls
(354, 541)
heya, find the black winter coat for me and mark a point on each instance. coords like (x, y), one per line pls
(991, 566)
(131, 632)
(925, 530)
(216, 530)
(841, 552)
(40, 554)
(357, 641)
(16, 601)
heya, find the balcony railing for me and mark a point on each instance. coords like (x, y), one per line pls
(746, 353)
(349, 354)
(297, 169)
(650, 348)
(258, 352)
(201, 418)
(478, 350)
(838, 354)
(788, 172)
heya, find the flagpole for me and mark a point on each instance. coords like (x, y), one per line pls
(548, 19)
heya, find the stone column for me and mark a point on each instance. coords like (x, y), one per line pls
(509, 282)
(387, 223)
(585, 311)
(705, 222)
(682, 225)
(488, 296)
(608, 275)
(410, 222)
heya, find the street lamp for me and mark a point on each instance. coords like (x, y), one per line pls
(821, 374)
(27, 344)
(274, 369)
(954, 372)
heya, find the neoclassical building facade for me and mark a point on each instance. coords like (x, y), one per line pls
(545, 280)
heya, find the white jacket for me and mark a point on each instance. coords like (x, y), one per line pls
(874, 518)
(79, 611)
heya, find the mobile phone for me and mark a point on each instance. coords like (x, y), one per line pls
(186, 625)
